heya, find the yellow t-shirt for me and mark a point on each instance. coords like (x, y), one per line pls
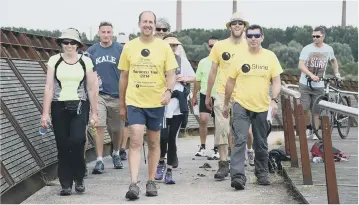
(146, 64)
(222, 54)
(253, 73)
(70, 76)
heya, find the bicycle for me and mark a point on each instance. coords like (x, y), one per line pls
(334, 118)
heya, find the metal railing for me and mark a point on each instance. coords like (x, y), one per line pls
(287, 95)
(330, 172)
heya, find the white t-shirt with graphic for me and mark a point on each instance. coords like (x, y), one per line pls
(316, 59)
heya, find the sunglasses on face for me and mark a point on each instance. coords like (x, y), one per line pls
(237, 22)
(254, 35)
(69, 42)
(163, 29)
(211, 46)
(316, 36)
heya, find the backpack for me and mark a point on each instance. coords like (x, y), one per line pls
(318, 151)
(275, 158)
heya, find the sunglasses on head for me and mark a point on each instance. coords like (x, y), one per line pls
(237, 22)
(163, 29)
(316, 36)
(257, 35)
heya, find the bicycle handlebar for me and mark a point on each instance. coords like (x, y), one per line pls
(337, 81)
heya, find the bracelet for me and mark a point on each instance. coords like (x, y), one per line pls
(169, 90)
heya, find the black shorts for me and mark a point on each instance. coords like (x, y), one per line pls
(202, 105)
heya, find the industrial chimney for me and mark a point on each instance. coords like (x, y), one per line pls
(179, 16)
(234, 7)
(344, 13)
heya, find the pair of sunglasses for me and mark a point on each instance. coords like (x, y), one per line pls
(163, 29)
(257, 35)
(69, 42)
(211, 46)
(316, 36)
(237, 22)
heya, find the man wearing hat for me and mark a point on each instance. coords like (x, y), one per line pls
(221, 56)
(175, 113)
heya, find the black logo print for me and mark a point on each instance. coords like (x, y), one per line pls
(137, 85)
(145, 52)
(246, 68)
(226, 56)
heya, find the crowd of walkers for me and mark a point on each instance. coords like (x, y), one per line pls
(144, 84)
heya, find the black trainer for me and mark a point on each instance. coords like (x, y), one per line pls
(263, 181)
(133, 192)
(80, 186)
(151, 188)
(238, 183)
(223, 170)
(66, 192)
(99, 168)
(123, 155)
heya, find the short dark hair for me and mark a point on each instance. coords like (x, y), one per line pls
(169, 35)
(213, 38)
(140, 16)
(105, 23)
(253, 27)
(321, 29)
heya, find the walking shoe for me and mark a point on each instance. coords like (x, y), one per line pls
(151, 188)
(263, 181)
(133, 192)
(80, 186)
(169, 179)
(99, 168)
(117, 162)
(238, 183)
(161, 167)
(65, 192)
(123, 155)
(215, 155)
(175, 164)
(250, 154)
(201, 152)
(223, 170)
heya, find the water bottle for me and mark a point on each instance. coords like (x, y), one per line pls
(100, 88)
(42, 130)
(317, 160)
(196, 110)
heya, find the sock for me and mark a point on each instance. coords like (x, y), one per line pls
(162, 161)
(99, 159)
(250, 150)
(115, 152)
(122, 150)
(169, 170)
(203, 146)
(309, 127)
(215, 149)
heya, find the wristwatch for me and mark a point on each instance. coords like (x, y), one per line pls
(275, 100)
(169, 90)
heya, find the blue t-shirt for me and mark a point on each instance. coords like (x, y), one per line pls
(105, 60)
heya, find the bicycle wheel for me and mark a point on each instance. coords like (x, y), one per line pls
(343, 121)
(322, 112)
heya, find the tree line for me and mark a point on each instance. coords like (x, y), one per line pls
(285, 43)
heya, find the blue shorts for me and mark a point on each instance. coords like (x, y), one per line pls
(153, 118)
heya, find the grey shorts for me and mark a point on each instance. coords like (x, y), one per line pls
(308, 96)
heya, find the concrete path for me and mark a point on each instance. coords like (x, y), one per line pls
(112, 186)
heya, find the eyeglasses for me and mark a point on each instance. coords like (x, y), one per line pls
(211, 46)
(237, 22)
(69, 42)
(257, 35)
(163, 29)
(316, 36)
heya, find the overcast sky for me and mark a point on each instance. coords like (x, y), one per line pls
(85, 15)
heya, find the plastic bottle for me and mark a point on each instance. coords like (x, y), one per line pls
(317, 160)
(196, 110)
(42, 130)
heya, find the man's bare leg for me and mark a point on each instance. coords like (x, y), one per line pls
(203, 122)
(153, 152)
(250, 151)
(124, 143)
(134, 153)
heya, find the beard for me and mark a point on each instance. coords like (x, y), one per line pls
(237, 36)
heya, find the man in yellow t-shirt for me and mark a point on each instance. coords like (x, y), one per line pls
(221, 56)
(250, 75)
(147, 79)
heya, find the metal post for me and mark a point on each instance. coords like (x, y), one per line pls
(306, 171)
(330, 175)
